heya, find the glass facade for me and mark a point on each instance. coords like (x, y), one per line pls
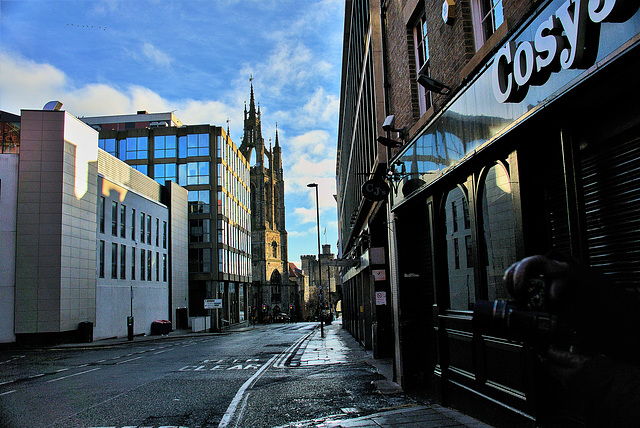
(219, 239)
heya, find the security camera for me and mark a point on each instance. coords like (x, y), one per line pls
(387, 126)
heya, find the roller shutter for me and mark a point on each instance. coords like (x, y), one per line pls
(611, 191)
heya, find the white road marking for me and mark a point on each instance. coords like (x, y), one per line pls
(72, 375)
(126, 361)
(226, 419)
(8, 392)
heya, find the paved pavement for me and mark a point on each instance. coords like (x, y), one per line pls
(338, 346)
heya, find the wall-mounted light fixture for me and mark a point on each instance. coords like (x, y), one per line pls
(433, 85)
(448, 11)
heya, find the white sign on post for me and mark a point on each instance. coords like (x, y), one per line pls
(381, 297)
(213, 303)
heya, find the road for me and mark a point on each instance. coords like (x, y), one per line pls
(241, 379)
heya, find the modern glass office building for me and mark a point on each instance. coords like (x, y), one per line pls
(204, 160)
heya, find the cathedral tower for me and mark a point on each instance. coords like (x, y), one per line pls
(271, 292)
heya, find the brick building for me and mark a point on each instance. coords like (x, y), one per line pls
(509, 138)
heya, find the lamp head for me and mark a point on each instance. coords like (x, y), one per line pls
(312, 185)
(433, 85)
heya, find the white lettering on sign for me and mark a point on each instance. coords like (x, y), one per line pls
(560, 42)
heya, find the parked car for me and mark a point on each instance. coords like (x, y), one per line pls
(282, 317)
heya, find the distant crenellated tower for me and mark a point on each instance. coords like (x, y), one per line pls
(271, 293)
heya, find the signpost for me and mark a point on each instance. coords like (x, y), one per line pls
(213, 304)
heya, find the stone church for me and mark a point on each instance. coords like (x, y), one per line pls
(271, 292)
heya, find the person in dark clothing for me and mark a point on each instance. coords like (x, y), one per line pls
(603, 373)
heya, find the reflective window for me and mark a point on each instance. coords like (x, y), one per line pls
(136, 148)
(108, 145)
(142, 168)
(199, 201)
(461, 276)
(498, 227)
(165, 171)
(421, 53)
(199, 260)
(487, 17)
(199, 230)
(165, 146)
(198, 145)
(197, 173)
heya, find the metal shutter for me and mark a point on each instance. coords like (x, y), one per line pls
(611, 190)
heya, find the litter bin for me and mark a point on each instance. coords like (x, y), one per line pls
(85, 330)
(160, 327)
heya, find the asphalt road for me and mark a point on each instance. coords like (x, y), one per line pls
(235, 380)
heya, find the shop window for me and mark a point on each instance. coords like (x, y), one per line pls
(487, 17)
(461, 275)
(498, 229)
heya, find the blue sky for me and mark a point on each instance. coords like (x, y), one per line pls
(195, 57)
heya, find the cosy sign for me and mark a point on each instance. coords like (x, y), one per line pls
(567, 39)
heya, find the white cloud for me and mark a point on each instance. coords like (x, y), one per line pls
(156, 55)
(27, 84)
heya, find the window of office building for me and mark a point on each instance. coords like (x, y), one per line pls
(143, 263)
(142, 168)
(157, 266)
(114, 260)
(165, 146)
(123, 261)
(101, 213)
(197, 173)
(157, 232)
(164, 267)
(123, 221)
(133, 262)
(199, 201)
(182, 146)
(199, 260)
(136, 148)
(198, 145)
(101, 259)
(148, 229)
(421, 46)
(142, 229)
(164, 234)
(165, 172)
(108, 145)
(487, 17)
(133, 224)
(199, 230)
(114, 218)
(149, 264)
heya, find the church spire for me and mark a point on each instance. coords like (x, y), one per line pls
(277, 143)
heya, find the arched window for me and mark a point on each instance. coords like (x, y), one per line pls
(498, 229)
(459, 251)
(274, 248)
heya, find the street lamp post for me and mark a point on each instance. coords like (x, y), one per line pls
(319, 261)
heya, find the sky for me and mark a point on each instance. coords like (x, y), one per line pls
(107, 57)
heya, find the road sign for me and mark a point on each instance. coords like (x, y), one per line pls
(213, 303)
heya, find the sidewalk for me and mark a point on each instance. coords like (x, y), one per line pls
(338, 346)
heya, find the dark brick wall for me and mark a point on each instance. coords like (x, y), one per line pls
(451, 49)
